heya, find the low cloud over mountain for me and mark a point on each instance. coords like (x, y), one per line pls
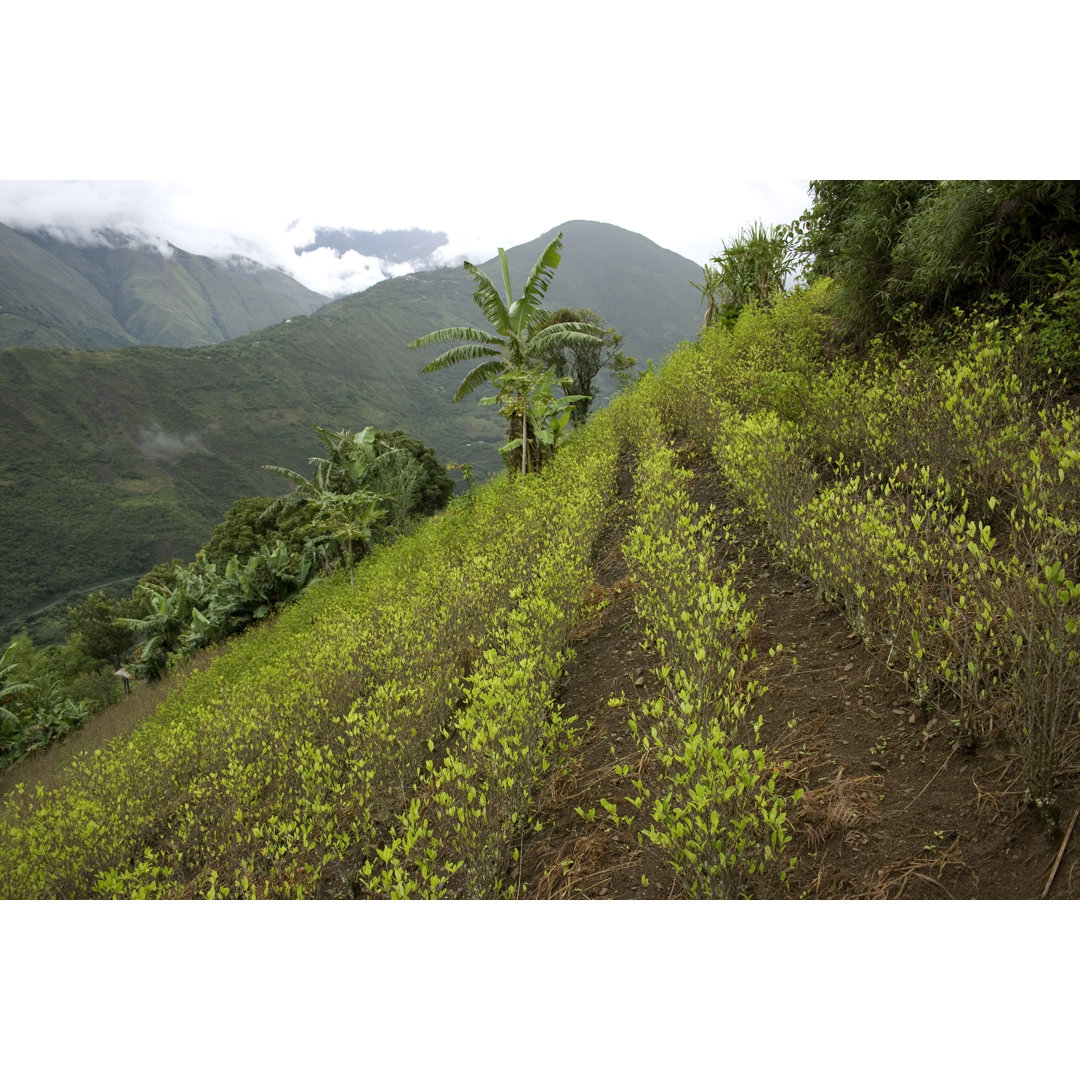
(332, 259)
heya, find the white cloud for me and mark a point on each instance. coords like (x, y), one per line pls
(160, 445)
(266, 221)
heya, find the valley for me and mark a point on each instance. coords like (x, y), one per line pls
(114, 461)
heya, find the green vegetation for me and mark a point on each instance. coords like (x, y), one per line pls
(44, 694)
(513, 352)
(340, 763)
(113, 462)
(264, 555)
(931, 496)
(718, 817)
(581, 361)
(55, 294)
(752, 267)
(896, 246)
(387, 734)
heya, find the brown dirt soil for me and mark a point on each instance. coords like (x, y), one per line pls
(893, 806)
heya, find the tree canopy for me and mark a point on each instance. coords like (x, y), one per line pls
(927, 246)
(581, 361)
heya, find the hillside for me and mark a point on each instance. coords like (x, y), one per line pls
(45, 303)
(115, 460)
(704, 653)
(123, 291)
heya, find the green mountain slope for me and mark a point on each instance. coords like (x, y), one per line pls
(118, 292)
(648, 285)
(46, 303)
(111, 461)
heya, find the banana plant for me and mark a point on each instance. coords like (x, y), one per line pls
(520, 333)
(9, 691)
(44, 714)
(350, 519)
(359, 470)
(250, 590)
(168, 613)
(544, 418)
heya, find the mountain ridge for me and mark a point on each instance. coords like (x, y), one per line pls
(127, 290)
(114, 460)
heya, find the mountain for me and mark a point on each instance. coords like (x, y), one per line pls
(122, 290)
(112, 461)
(416, 246)
(640, 288)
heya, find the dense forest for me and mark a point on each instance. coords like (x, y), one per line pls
(883, 393)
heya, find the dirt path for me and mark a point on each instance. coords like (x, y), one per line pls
(893, 807)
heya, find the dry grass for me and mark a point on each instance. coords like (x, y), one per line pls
(927, 867)
(597, 599)
(998, 793)
(838, 805)
(577, 864)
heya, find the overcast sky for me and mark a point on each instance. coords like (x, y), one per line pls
(494, 122)
(268, 221)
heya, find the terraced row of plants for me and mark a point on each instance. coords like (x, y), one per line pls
(933, 497)
(714, 809)
(380, 739)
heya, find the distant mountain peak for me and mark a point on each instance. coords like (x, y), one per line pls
(102, 236)
(415, 246)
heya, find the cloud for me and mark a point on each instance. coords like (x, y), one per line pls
(157, 444)
(337, 274)
(267, 219)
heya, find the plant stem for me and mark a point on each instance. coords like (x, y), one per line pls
(1061, 851)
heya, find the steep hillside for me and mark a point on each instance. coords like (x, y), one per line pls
(119, 291)
(112, 461)
(46, 303)
(707, 658)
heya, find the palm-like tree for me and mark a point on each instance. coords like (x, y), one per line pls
(710, 290)
(518, 337)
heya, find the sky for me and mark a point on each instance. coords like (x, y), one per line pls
(237, 126)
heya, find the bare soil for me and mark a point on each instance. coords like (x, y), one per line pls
(894, 807)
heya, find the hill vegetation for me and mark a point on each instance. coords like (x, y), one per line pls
(114, 461)
(111, 290)
(402, 728)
